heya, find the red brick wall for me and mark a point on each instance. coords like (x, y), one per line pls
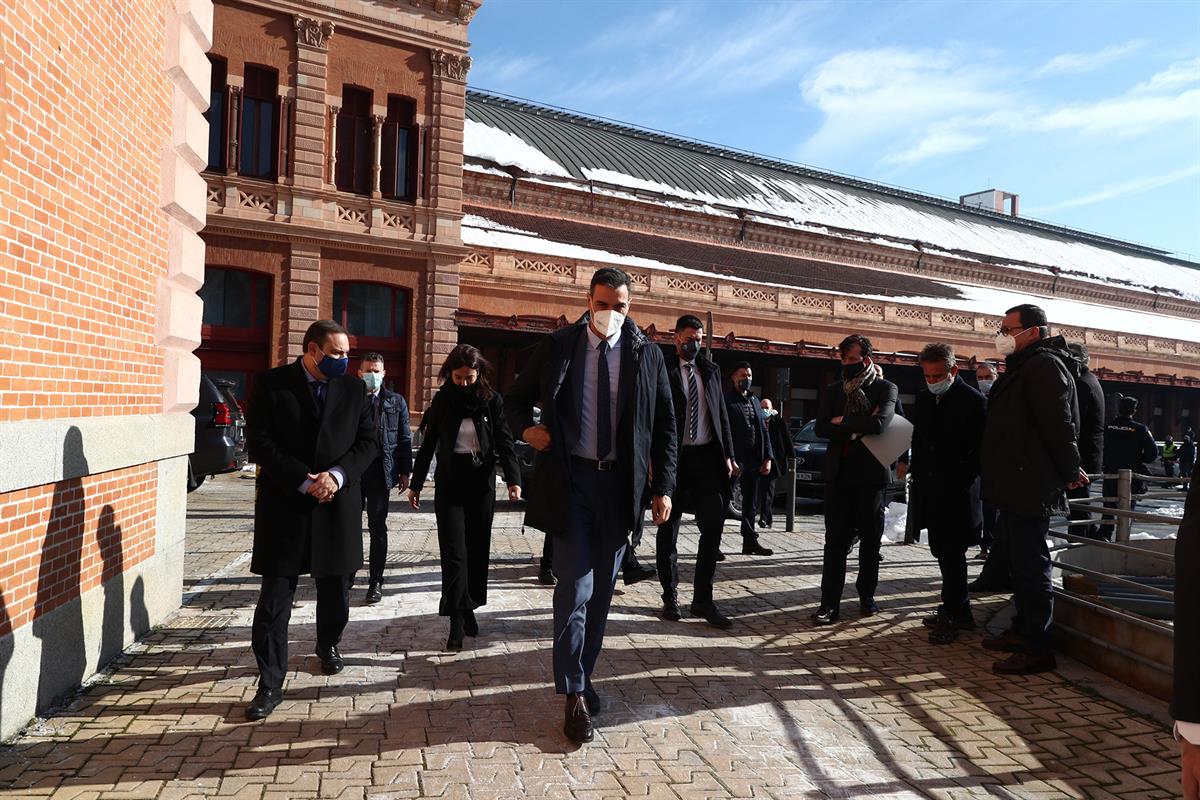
(60, 540)
(244, 35)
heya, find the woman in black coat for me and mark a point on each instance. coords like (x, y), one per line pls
(465, 426)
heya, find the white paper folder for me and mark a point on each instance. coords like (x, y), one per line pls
(891, 444)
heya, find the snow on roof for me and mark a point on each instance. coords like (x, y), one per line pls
(555, 144)
(482, 232)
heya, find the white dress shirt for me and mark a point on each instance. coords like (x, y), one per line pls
(468, 437)
(704, 431)
(586, 448)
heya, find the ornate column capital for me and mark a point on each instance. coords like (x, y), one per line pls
(449, 65)
(313, 32)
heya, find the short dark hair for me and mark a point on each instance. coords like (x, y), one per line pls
(740, 365)
(611, 277)
(320, 331)
(1127, 406)
(1031, 316)
(688, 321)
(464, 355)
(1080, 350)
(372, 356)
(938, 352)
(989, 364)
(863, 343)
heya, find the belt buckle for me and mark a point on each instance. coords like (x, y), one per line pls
(604, 466)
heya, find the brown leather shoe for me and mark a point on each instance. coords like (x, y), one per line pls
(578, 724)
(1007, 642)
(1025, 663)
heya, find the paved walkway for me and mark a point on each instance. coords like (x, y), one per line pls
(772, 708)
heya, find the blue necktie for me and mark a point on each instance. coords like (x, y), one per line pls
(318, 389)
(603, 405)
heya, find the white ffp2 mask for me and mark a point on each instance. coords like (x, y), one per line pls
(609, 322)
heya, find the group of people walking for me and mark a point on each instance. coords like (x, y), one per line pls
(617, 426)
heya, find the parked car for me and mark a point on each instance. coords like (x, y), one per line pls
(809, 449)
(220, 432)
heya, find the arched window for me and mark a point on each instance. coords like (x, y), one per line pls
(377, 316)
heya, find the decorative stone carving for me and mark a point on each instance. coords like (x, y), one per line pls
(450, 65)
(313, 32)
(463, 10)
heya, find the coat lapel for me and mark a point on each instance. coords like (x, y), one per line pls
(300, 388)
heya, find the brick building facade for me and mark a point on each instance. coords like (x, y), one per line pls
(100, 203)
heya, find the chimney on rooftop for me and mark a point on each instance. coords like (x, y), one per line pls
(992, 200)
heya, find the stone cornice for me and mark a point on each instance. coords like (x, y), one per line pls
(343, 18)
(458, 10)
(744, 232)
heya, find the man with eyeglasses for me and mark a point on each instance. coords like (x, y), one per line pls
(1030, 459)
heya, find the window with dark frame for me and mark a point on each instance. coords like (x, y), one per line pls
(355, 145)
(217, 114)
(260, 123)
(400, 150)
(376, 315)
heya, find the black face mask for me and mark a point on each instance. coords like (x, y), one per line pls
(852, 371)
(690, 349)
(743, 385)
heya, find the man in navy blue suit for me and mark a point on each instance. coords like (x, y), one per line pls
(607, 430)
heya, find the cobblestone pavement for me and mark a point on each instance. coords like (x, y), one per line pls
(772, 708)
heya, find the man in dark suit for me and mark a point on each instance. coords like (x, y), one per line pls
(607, 428)
(752, 455)
(1091, 434)
(705, 466)
(1185, 705)
(391, 470)
(862, 403)
(311, 432)
(943, 467)
(781, 447)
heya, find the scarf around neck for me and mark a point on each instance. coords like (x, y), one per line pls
(856, 399)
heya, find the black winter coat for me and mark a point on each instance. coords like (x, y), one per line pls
(645, 436)
(847, 460)
(441, 423)
(288, 439)
(1091, 421)
(1030, 450)
(718, 414)
(751, 445)
(781, 443)
(944, 460)
(395, 439)
(1185, 705)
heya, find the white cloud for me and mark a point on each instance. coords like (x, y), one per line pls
(496, 71)
(1178, 75)
(1126, 115)
(1075, 63)
(1120, 189)
(937, 142)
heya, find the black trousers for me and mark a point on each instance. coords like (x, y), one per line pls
(269, 633)
(1029, 564)
(851, 509)
(547, 559)
(987, 535)
(749, 482)
(1090, 531)
(375, 499)
(949, 547)
(463, 505)
(766, 498)
(699, 483)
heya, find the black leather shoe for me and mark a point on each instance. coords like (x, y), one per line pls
(454, 642)
(867, 607)
(981, 587)
(264, 702)
(825, 616)
(712, 616)
(670, 609)
(578, 724)
(963, 621)
(546, 576)
(595, 705)
(756, 549)
(470, 624)
(374, 592)
(720, 556)
(331, 660)
(634, 572)
(943, 634)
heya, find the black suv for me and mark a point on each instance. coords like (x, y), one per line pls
(220, 432)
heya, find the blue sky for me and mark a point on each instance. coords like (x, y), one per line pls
(1090, 111)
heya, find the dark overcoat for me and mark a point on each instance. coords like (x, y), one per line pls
(1185, 705)
(441, 423)
(645, 435)
(395, 438)
(944, 462)
(751, 442)
(781, 444)
(847, 459)
(1091, 420)
(714, 397)
(288, 438)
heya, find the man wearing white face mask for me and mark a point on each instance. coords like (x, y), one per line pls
(607, 430)
(944, 468)
(1030, 458)
(392, 469)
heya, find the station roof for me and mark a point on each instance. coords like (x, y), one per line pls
(545, 143)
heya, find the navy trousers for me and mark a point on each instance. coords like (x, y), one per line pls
(587, 559)
(1029, 564)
